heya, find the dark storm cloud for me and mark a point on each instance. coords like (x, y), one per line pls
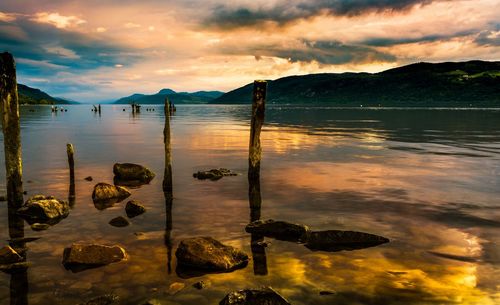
(323, 52)
(489, 37)
(229, 17)
(43, 48)
(387, 42)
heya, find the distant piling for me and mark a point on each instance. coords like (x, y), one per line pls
(167, 180)
(9, 109)
(99, 108)
(258, 110)
(71, 162)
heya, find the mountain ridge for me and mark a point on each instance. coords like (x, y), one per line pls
(34, 96)
(198, 97)
(448, 84)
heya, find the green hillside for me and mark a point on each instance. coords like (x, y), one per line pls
(460, 84)
(33, 96)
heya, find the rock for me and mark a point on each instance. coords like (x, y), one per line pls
(134, 208)
(39, 226)
(119, 222)
(9, 256)
(265, 296)
(206, 253)
(280, 230)
(3, 198)
(83, 256)
(175, 288)
(326, 292)
(106, 192)
(132, 172)
(89, 178)
(108, 299)
(201, 285)
(44, 209)
(214, 174)
(336, 240)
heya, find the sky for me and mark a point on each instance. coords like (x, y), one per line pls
(98, 50)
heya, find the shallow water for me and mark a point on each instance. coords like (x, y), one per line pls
(429, 180)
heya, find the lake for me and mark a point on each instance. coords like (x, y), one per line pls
(427, 179)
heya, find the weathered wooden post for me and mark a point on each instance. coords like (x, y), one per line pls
(258, 110)
(99, 108)
(9, 109)
(168, 186)
(167, 177)
(71, 162)
(19, 285)
(258, 249)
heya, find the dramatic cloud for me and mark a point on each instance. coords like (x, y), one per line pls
(102, 50)
(229, 16)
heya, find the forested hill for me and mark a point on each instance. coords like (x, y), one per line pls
(450, 84)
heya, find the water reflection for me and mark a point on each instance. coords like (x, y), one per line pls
(19, 286)
(414, 177)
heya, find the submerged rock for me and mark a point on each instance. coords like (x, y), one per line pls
(119, 222)
(89, 178)
(9, 256)
(279, 230)
(134, 208)
(44, 209)
(208, 254)
(176, 287)
(264, 296)
(39, 226)
(84, 256)
(201, 285)
(214, 174)
(107, 299)
(104, 192)
(336, 240)
(132, 172)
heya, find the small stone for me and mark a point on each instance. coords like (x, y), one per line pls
(134, 208)
(175, 288)
(44, 209)
(201, 285)
(105, 192)
(39, 226)
(92, 254)
(265, 296)
(119, 222)
(207, 253)
(214, 174)
(9, 256)
(108, 299)
(280, 230)
(89, 178)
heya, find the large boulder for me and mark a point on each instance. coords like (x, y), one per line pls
(83, 256)
(104, 192)
(208, 254)
(336, 240)
(129, 172)
(44, 209)
(9, 256)
(281, 230)
(214, 174)
(265, 296)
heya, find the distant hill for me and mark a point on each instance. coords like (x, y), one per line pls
(33, 96)
(200, 97)
(450, 84)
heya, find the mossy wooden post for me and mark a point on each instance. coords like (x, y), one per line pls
(71, 162)
(167, 177)
(11, 129)
(258, 110)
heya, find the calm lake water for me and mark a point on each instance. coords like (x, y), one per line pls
(429, 180)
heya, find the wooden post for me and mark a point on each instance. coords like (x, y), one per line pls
(167, 177)
(9, 108)
(258, 249)
(258, 110)
(71, 161)
(99, 108)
